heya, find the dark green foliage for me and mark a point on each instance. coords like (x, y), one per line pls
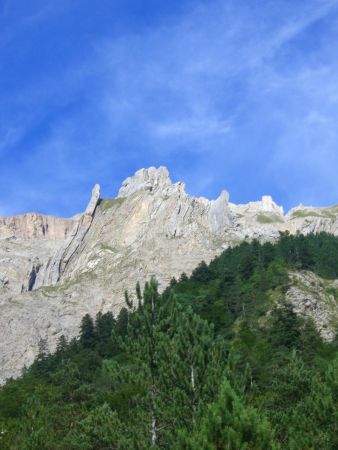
(201, 273)
(240, 282)
(87, 336)
(201, 367)
(316, 252)
(302, 404)
(285, 327)
(40, 366)
(104, 324)
(175, 367)
(122, 322)
(138, 291)
(228, 424)
(128, 300)
(98, 430)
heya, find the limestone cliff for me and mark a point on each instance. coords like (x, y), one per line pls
(312, 297)
(35, 226)
(53, 271)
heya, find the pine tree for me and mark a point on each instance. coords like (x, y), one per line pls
(302, 405)
(128, 300)
(61, 344)
(183, 277)
(142, 345)
(148, 319)
(122, 323)
(68, 377)
(138, 292)
(196, 361)
(100, 429)
(32, 431)
(40, 364)
(173, 282)
(202, 273)
(176, 367)
(61, 350)
(104, 325)
(285, 326)
(228, 425)
(87, 336)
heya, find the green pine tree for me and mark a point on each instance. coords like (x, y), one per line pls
(228, 424)
(87, 336)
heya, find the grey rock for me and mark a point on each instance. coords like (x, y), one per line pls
(93, 201)
(145, 179)
(219, 213)
(311, 298)
(54, 270)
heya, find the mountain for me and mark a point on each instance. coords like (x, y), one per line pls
(223, 359)
(54, 270)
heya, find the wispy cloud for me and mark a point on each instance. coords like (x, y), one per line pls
(195, 128)
(301, 20)
(230, 94)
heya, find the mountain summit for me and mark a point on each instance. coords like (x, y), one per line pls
(54, 270)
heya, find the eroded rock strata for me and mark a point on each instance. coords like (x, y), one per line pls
(53, 270)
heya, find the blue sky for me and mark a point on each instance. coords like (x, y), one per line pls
(239, 95)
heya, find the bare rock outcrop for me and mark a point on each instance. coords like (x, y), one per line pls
(219, 213)
(34, 249)
(35, 226)
(53, 271)
(312, 297)
(145, 179)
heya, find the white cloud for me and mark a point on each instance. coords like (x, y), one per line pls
(195, 128)
(207, 83)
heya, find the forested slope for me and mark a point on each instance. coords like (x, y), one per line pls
(218, 361)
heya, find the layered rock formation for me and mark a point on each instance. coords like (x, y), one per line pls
(312, 297)
(53, 271)
(35, 226)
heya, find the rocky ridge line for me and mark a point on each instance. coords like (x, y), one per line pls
(49, 280)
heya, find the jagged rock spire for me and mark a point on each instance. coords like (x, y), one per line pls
(93, 200)
(219, 216)
(145, 179)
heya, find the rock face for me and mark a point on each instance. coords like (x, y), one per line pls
(149, 180)
(27, 243)
(35, 226)
(53, 271)
(312, 297)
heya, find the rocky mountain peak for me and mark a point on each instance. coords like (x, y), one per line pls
(270, 206)
(53, 271)
(150, 179)
(264, 206)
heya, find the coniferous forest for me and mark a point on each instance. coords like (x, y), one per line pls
(219, 360)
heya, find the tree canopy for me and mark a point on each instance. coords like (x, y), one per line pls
(212, 363)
